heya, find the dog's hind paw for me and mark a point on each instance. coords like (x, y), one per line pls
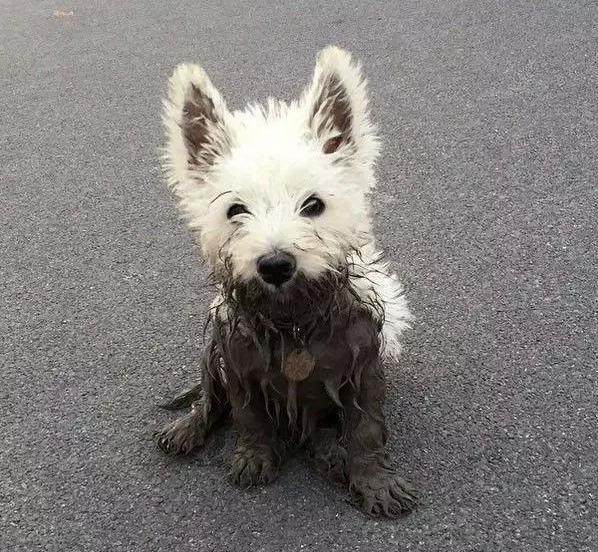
(182, 436)
(253, 466)
(384, 494)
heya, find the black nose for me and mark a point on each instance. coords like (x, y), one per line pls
(276, 268)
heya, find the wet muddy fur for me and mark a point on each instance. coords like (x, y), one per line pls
(336, 411)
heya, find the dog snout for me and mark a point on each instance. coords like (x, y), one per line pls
(276, 268)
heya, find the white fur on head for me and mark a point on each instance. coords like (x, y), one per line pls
(270, 160)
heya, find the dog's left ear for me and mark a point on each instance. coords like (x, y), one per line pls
(337, 107)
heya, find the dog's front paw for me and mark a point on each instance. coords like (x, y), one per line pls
(253, 466)
(182, 436)
(383, 494)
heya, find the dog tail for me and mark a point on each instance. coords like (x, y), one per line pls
(184, 399)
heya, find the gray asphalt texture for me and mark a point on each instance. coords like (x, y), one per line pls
(487, 206)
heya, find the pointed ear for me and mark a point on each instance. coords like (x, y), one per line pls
(338, 107)
(197, 124)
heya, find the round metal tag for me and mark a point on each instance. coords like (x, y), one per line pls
(298, 365)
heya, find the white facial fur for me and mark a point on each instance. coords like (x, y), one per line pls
(271, 159)
(272, 175)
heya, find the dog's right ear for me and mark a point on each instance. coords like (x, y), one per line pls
(197, 125)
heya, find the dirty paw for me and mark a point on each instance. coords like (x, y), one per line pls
(182, 436)
(383, 494)
(253, 466)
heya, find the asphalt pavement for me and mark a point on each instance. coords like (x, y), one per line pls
(487, 206)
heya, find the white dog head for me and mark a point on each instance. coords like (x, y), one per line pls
(276, 193)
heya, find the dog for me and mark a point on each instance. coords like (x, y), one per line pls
(306, 308)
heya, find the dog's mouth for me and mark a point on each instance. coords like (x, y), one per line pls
(280, 293)
(257, 291)
(294, 299)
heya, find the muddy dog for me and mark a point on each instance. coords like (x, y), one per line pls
(306, 308)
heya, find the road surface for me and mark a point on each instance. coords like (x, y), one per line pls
(486, 205)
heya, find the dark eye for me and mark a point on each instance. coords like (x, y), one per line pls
(313, 206)
(236, 209)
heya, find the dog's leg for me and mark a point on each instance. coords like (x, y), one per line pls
(375, 486)
(208, 405)
(257, 454)
(327, 455)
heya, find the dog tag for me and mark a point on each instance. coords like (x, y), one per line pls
(298, 365)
